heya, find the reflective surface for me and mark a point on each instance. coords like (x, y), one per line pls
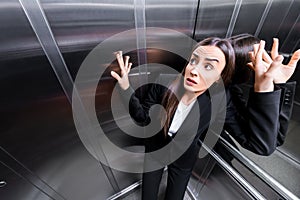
(41, 153)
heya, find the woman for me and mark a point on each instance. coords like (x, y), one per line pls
(244, 76)
(211, 59)
(243, 82)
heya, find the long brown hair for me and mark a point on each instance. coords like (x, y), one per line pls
(176, 89)
(242, 45)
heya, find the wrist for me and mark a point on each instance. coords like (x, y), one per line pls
(263, 87)
(279, 82)
(124, 87)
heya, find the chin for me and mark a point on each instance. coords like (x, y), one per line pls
(190, 88)
(193, 89)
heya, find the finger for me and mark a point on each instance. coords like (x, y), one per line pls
(279, 59)
(126, 62)
(115, 75)
(276, 64)
(255, 48)
(120, 60)
(258, 64)
(117, 53)
(274, 51)
(295, 58)
(261, 49)
(121, 57)
(250, 65)
(129, 67)
(267, 58)
(251, 56)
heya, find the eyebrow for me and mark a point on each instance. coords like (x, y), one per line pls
(212, 59)
(208, 59)
(196, 55)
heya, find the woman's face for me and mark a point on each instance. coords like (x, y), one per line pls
(204, 68)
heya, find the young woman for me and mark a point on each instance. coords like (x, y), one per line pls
(212, 59)
(243, 81)
(243, 78)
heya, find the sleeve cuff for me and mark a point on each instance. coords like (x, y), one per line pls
(289, 85)
(265, 97)
(126, 94)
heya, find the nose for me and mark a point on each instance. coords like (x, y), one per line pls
(194, 72)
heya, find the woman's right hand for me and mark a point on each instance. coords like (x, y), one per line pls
(125, 67)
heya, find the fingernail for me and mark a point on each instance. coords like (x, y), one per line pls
(118, 53)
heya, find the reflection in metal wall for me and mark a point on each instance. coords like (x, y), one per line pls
(39, 143)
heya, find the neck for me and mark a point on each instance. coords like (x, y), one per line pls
(189, 97)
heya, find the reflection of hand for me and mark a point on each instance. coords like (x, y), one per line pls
(282, 72)
(125, 67)
(264, 73)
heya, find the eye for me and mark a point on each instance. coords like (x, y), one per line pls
(208, 67)
(193, 61)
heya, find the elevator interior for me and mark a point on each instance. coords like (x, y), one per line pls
(44, 43)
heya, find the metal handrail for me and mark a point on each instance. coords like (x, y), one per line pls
(258, 171)
(230, 170)
(247, 186)
(125, 191)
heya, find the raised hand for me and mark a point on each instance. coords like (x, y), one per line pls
(285, 72)
(264, 72)
(125, 67)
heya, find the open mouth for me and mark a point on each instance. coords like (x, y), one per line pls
(189, 80)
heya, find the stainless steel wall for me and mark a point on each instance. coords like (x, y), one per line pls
(42, 156)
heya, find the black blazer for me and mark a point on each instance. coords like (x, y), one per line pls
(258, 124)
(240, 98)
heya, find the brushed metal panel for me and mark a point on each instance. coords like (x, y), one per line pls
(81, 25)
(276, 16)
(37, 126)
(172, 14)
(13, 22)
(275, 19)
(38, 130)
(214, 18)
(17, 187)
(249, 16)
(289, 31)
